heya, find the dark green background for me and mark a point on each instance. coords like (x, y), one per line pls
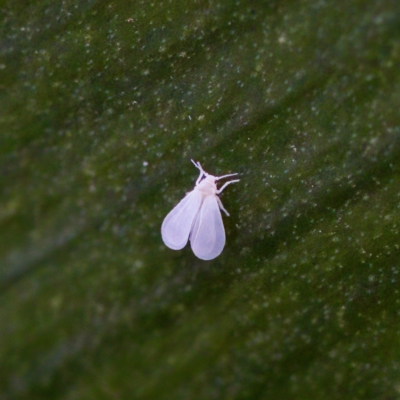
(102, 106)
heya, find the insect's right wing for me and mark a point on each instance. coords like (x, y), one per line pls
(178, 223)
(207, 238)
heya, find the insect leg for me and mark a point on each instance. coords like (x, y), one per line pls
(221, 206)
(224, 176)
(226, 184)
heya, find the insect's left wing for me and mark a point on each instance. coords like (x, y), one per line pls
(178, 223)
(207, 238)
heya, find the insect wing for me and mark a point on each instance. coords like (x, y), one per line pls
(178, 223)
(207, 238)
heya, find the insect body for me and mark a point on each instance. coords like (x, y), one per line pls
(197, 218)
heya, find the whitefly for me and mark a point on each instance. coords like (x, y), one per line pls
(197, 218)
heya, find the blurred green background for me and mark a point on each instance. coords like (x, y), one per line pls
(102, 106)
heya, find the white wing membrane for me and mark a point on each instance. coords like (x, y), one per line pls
(178, 223)
(207, 238)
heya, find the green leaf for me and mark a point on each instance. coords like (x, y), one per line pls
(102, 107)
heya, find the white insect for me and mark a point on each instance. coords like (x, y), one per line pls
(197, 217)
